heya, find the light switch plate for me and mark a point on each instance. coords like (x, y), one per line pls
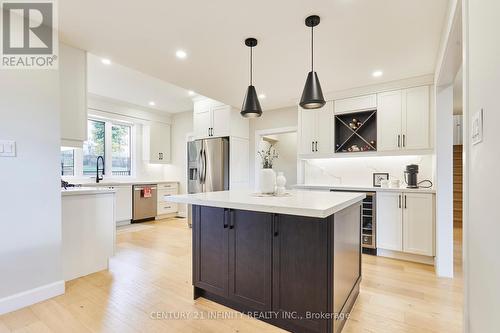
(7, 148)
(477, 127)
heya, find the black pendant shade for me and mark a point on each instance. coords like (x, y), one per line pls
(251, 105)
(312, 95)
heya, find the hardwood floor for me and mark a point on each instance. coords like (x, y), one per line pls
(150, 276)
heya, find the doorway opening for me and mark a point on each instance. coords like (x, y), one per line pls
(284, 142)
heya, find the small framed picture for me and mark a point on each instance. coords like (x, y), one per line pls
(378, 177)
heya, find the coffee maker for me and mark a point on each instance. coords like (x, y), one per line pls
(411, 176)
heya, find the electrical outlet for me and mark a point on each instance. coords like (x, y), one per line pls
(7, 148)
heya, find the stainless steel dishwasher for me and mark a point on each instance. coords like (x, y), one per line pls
(145, 204)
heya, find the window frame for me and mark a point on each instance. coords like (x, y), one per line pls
(108, 151)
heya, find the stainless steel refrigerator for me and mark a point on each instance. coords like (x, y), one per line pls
(208, 166)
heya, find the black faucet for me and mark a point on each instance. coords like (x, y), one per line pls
(97, 178)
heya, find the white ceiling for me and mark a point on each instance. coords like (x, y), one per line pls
(122, 83)
(355, 37)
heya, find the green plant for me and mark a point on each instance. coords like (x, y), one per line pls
(267, 157)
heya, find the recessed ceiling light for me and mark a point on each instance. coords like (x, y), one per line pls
(152, 103)
(191, 93)
(106, 61)
(377, 73)
(262, 96)
(181, 54)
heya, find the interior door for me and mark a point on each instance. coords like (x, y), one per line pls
(390, 221)
(389, 118)
(325, 129)
(307, 134)
(221, 120)
(210, 257)
(250, 246)
(416, 122)
(418, 223)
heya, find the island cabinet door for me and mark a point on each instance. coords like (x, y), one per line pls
(210, 249)
(300, 271)
(250, 248)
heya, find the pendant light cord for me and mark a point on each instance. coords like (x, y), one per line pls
(312, 49)
(251, 66)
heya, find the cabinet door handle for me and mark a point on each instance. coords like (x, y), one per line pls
(231, 219)
(405, 201)
(275, 225)
(211, 131)
(399, 201)
(399, 140)
(226, 218)
(312, 146)
(316, 146)
(404, 140)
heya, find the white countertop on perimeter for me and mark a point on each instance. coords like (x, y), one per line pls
(326, 187)
(85, 191)
(301, 203)
(92, 183)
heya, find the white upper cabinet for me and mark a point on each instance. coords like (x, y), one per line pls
(418, 223)
(316, 130)
(213, 119)
(73, 95)
(416, 122)
(403, 119)
(354, 104)
(156, 143)
(389, 118)
(389, 221)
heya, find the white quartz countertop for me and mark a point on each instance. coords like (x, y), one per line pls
(123, 182)
(326, 187)
(86, 191)
(299, 202)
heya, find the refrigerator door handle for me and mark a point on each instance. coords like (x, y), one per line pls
(200, 166)
(204, 165)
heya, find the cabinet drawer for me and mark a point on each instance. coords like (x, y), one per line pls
(166, 208)
(163, 194)
(168, 186)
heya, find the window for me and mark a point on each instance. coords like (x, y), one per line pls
(94, 146)
(68, 162)
(120, 150)
(110, 139)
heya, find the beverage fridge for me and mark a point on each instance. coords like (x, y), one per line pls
(208, 166)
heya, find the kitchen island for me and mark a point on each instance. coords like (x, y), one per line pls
(292, 261)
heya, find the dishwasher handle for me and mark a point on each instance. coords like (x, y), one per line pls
(140, 188)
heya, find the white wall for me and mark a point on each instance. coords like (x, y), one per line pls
(182, 124)
(30, 199)
(444, 182)
(358, 171)
(481, 215)
(285, 117)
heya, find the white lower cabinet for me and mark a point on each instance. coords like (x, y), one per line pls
(405, 222)
(418, 223)
(164, 191)
(389, 221)
(123, 203)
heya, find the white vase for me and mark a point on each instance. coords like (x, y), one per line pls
(267, 180)
(280, 183)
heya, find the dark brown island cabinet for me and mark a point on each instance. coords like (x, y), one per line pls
(299, 273)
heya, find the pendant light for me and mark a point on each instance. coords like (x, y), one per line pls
(312, 96)
(251, 105)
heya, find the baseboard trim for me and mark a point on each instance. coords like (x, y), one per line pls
(406, 256)
(32, 296)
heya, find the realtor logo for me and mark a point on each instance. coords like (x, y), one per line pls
(29, 34)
